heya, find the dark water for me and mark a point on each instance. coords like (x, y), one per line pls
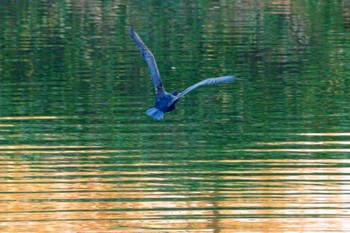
(267, 153)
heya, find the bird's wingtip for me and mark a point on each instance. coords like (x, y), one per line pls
(232, 77)
(228, 78)
(131, 29)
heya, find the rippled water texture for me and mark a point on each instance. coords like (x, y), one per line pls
(267, 153)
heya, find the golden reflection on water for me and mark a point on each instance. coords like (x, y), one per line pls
(38, 197)
(88, 188)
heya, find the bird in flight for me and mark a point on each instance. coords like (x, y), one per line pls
(165, 102)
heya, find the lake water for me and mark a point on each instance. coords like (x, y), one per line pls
(267, 153)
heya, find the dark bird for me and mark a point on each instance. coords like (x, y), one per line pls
(165, 102)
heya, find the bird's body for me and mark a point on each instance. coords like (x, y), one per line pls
(165, 102)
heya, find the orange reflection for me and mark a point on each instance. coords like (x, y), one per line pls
(269, 199)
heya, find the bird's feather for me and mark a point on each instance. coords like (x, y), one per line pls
(151, 62)
(155, 113)
(209, 81)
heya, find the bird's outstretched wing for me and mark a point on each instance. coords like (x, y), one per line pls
(209, 81)
(151, 62)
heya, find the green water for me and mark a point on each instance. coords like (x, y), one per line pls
(269, 152)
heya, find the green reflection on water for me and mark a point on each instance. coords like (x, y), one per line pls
(75, 142)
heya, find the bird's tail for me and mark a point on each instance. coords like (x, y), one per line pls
(155, 113)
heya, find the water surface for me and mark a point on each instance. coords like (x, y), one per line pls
(267, 153)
